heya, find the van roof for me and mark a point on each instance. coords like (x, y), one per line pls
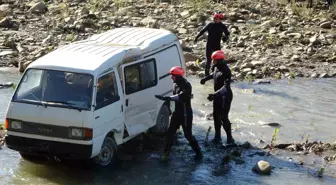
(99, 52)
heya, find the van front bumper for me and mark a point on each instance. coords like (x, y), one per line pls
(48, 148)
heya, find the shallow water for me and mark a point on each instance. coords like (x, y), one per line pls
(302, 107)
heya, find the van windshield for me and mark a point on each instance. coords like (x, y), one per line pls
(55, 88)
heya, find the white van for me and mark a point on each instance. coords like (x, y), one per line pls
(84, 99)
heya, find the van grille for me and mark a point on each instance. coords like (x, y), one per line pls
(44, 130)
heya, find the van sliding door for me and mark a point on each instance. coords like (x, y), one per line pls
(140, 79)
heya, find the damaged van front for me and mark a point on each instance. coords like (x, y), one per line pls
(49, 114)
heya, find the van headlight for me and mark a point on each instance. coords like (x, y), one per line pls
(77, 132)
(16, 125)
(80, 133)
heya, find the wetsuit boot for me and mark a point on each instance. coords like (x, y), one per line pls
(195, 146)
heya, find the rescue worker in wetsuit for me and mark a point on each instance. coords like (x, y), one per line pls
(183, 113)
(222, 97)
(215, 31)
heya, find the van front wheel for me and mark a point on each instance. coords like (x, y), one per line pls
(107, 154)
(162, 121)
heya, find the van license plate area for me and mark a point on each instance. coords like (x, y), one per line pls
(46, 130)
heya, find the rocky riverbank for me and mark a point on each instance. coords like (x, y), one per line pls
(269, 39)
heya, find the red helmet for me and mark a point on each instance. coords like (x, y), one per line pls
(177, 70)
(218, 55)
(218, 15)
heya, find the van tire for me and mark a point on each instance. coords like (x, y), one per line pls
(107, 154)
(162, 121)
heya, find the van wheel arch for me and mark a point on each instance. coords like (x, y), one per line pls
(110, 134)
(162, 120)
(108, 152)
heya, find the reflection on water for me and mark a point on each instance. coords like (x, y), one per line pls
(303, 107)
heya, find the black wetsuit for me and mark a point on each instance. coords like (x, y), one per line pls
(215, 35)
(222, 100)
(182, 115)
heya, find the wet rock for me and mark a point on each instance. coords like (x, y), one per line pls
(4, 10)
(250, 91)
(252, 21)
(332, 59)
(314, 41)
(226, 159)
(193, 66)
(9, 84)
(261, 153)
(256, 63)
(7, 52)
(266, 147)
(69, 20)
(326, 25)
(262, 167)
(47, 40)
(23, 65)
(299, 74)
(209, 116)
(201, 74)
(293, 147)
(182, 31)
(273, 31)
(190, 57)
(10, 43)
(185, 13)
(295, 35)
(39, 7)
(9, 23)
(330, 158)
(246, 70)
(314, 75)
(238, 161)
(5, 22)
(324, 75)
(295, 58)
(246, 145)
(268, 23)
(149, 22)
(236, 153)
(261, 81)
(2, 136)
(274, 124)
(283, 69)
(241, 44)
(246, 65)
(282, 146)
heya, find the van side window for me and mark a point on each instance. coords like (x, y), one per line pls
(107, 91)
(140, 76)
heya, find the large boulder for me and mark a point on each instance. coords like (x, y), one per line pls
(4, 10)
(39, 7)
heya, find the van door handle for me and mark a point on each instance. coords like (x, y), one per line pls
(126, 102)
(97, 117)
(122, 108)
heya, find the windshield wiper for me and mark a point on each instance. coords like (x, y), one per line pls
(35, 101)
(38, 100)
(70, 105)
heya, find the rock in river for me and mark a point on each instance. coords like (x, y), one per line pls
(262, 167)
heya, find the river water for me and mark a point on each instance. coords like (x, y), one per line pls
(301, 107)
